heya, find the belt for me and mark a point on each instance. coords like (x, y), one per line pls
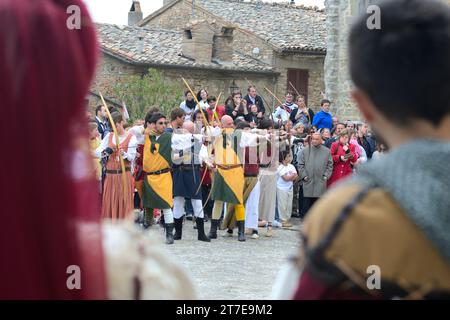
(117, 171)
(158, 172)
(187, 167)
(250, 174)
(228, 167)
(265, 165)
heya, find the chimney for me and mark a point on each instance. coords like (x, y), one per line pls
(166, 2)
(198, 41)
(135, 15)
(223, 45)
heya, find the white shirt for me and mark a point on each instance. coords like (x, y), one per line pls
(203, 104)
(280, 113)
(129, 155)
(183, 141)
(138, 132)
(187, 110)
(283, 170)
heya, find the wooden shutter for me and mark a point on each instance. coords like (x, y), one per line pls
(299, 78)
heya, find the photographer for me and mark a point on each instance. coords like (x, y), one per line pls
(344, 155)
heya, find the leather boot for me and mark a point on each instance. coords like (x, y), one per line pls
(178, 228)
(149, 220)
(169, 233)
(201, 230)
(241, 230)
(213, 232)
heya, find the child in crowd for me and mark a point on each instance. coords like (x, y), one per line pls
(286, 175)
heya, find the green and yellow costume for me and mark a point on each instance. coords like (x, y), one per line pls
(158, 177)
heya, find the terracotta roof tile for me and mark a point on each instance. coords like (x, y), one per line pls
(287, 27)
(163, 47)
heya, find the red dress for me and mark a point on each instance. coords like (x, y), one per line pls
(341, 169)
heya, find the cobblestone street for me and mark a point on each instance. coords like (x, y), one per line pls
(228, 269)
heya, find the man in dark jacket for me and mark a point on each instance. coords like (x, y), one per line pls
(253, 99)
(365, 141)
(101, 120)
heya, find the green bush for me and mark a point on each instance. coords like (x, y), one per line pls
(142, 92)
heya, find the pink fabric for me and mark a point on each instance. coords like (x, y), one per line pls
(46, 70)
(310, 288)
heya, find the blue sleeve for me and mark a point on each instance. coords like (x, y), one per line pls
(317, 119)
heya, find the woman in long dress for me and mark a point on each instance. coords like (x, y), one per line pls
(117, 195)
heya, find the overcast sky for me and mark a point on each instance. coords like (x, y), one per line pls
(116, 11)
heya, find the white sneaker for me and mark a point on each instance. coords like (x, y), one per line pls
(255, 236)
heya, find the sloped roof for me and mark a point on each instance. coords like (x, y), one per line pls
(159, 47)
(286, 27)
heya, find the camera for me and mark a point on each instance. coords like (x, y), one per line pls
(109, 151)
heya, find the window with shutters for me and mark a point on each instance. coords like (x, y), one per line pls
(299, 79)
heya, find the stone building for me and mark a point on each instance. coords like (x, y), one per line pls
(340, 14)
(221, 45)
(337, 80)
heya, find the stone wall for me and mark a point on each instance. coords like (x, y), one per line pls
(216, 81)
(315, 66)
(180, 14)
(337, 78)
(175, 18)
(112, 70)
(109, 71)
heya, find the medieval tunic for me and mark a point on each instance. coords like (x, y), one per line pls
(118, 199)
(157, 166)
(384, 220)
(268, 179)
(188, 154)
(228, 185)
(251, 191)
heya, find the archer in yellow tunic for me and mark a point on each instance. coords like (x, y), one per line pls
(157, 170)
(158, 177)
(228, 180)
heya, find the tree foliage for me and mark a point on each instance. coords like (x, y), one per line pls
(142, 92)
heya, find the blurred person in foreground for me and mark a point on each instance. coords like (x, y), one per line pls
(384, 234)
(51, 209)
